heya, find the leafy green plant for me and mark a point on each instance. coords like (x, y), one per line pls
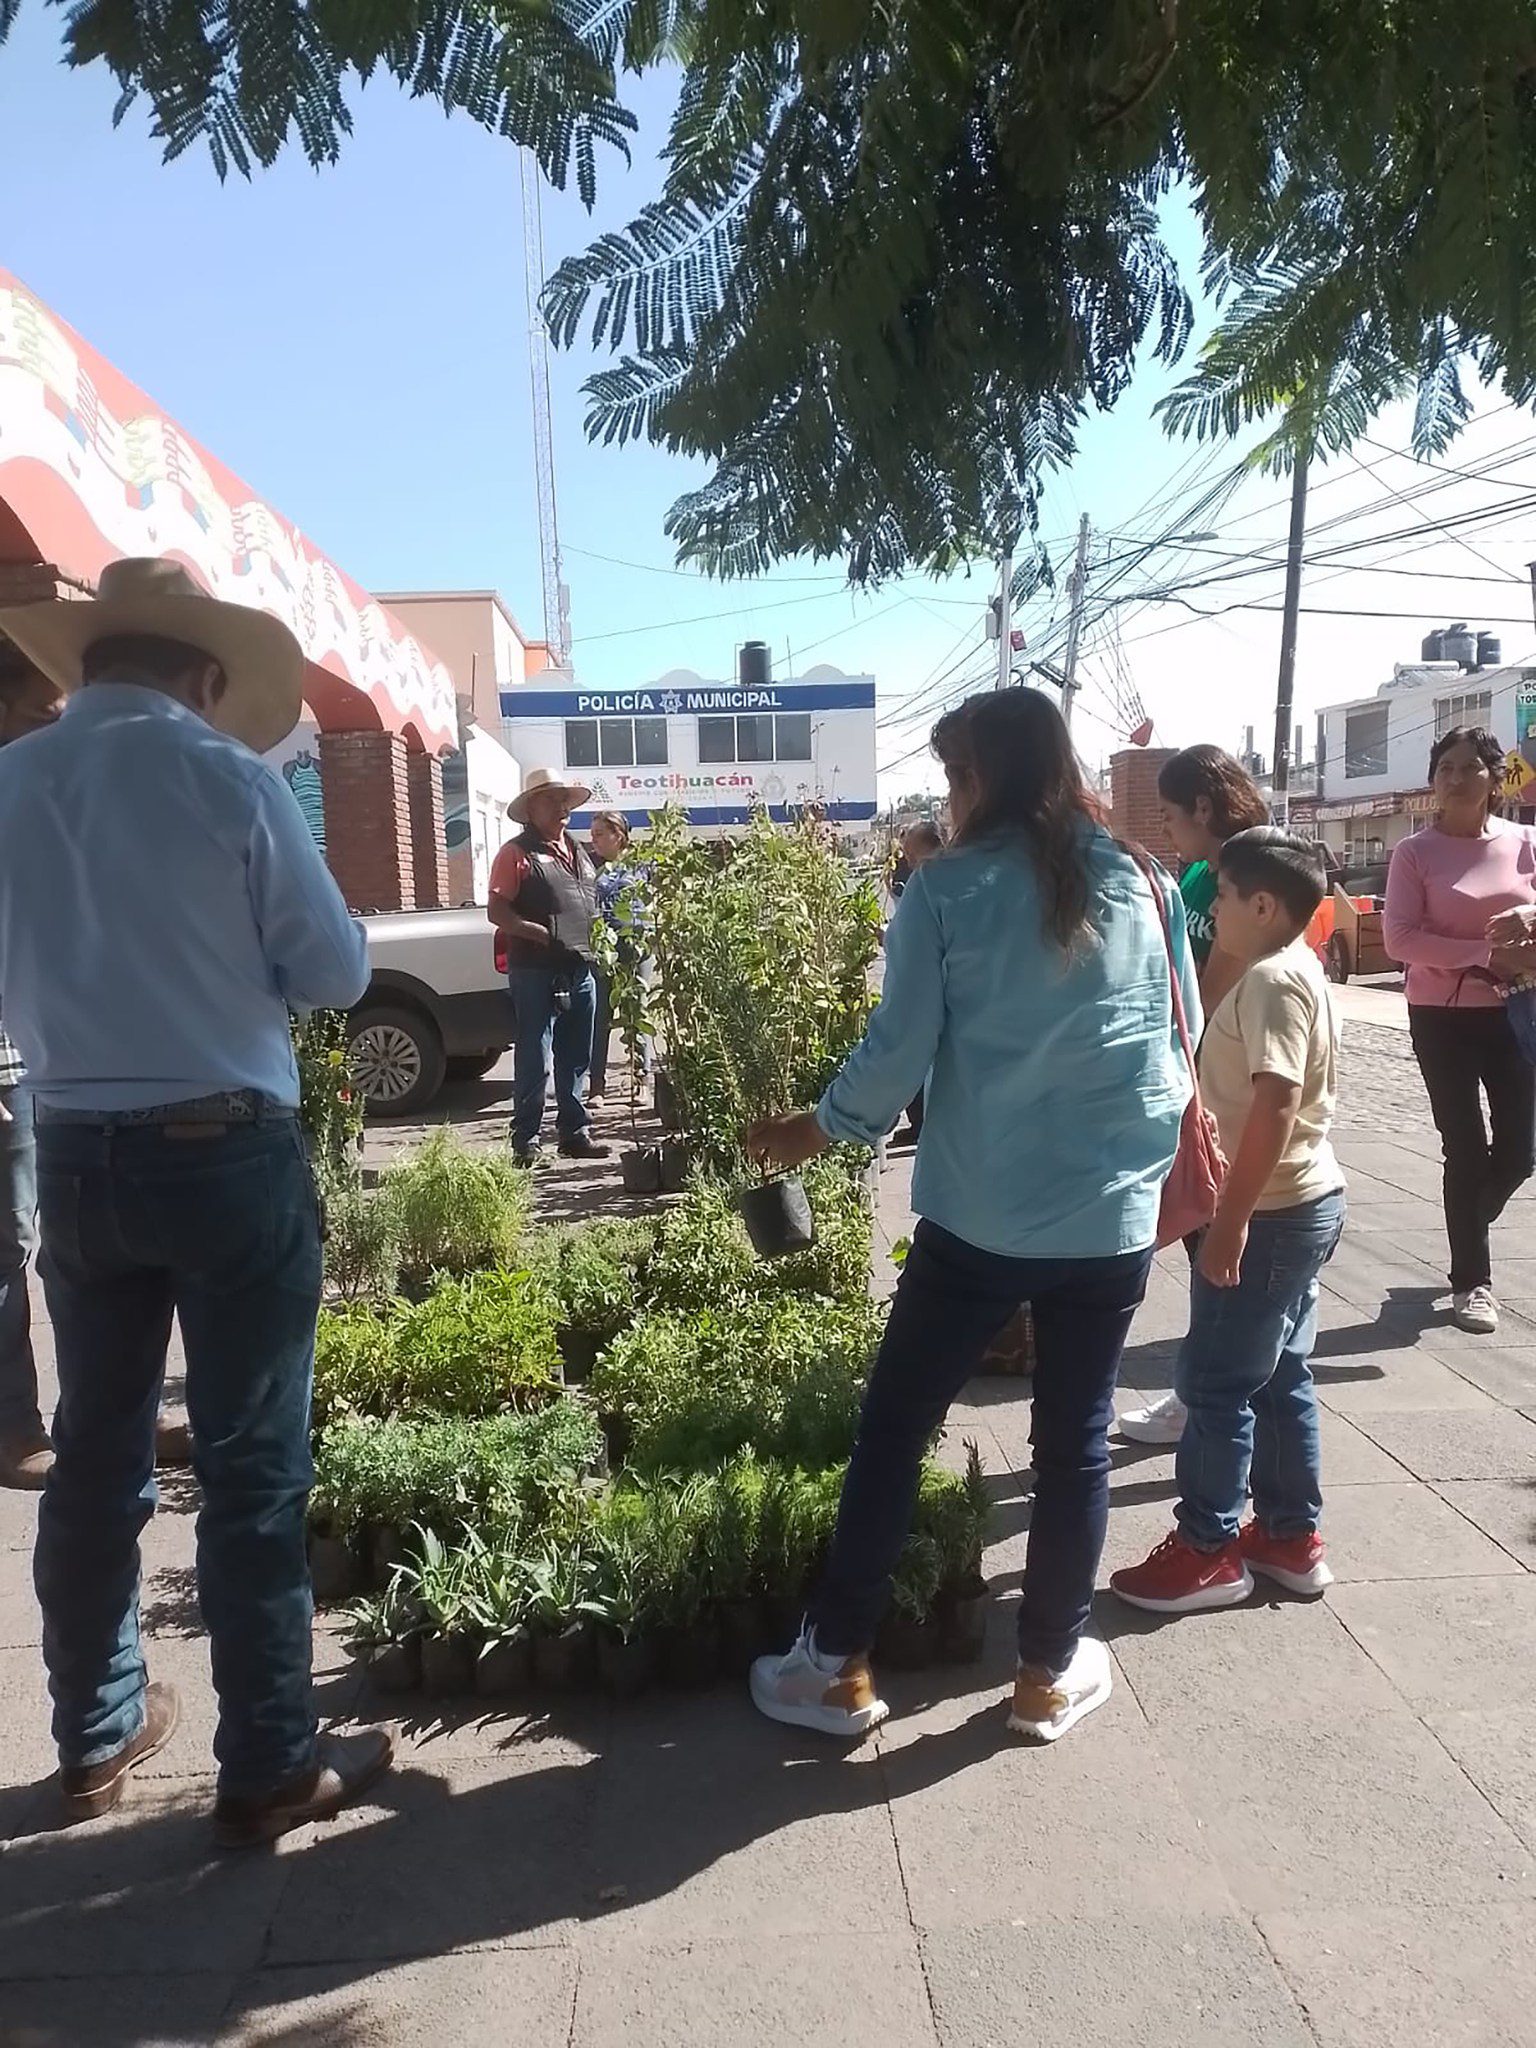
(354, 1361)
(439, 1582)
(380, 1618)
(475, 1345)
(623, 1589)
(917, 1578)
(560, 1588)
(362, 1245)
(704, 1259)
(330, 1106)
(455, 1211)
(593, 1272)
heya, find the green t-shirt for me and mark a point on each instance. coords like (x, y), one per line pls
(1197, 886)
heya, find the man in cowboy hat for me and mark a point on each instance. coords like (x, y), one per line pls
(162, 905)
(543, 900)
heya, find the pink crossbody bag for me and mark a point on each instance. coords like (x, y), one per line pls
(1194, 1183)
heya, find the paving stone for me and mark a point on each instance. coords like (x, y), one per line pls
(1351, 1457)
(183, 1661)
(1308, 1813)
(18, 1519)
(141, 1891)
(1496, 1746)
(991, 1829)
(1446, 1644)
(1456, 1443)
(21, 1625)
(468, 1857)
(27, 1755)
(861, 1988)
(1170, 1980)
(1447, 1975)
(1504, 1509)
(1504, 1367)
(481, 2000)
(136, 2012)
(1403, 1379)
(1404, 1532)
(1272, 1657)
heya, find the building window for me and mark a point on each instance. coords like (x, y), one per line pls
(1473, 707)
(1365, 741)
(615, 742)
(756, 736)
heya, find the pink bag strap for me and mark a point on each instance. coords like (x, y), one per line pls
(1145, 862)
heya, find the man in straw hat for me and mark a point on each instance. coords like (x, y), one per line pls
(543, 900)
(162, 905)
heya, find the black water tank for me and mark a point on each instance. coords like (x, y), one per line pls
(754, 665)
(1490, 650)
(1430, 645)
(1460, 645)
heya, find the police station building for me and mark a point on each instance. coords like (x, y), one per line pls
(712, 748)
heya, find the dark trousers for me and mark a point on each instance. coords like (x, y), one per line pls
(602, 1033)
(1465, 1055)
(19, 1413)
(951, 1301)
(222, 1230)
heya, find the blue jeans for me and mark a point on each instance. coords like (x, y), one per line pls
(539, 1026)
(222, 1229)
(1245, 1375)
(19, 1412)
(951, 1301)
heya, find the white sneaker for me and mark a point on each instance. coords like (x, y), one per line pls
(1477, 1310)
(811, 1692)
(597, 1102)
(1161, 1422)
(1044, 1708)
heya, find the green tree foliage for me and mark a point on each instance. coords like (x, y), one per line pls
(902, 249)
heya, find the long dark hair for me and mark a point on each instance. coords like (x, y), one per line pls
(1233, 795)
(1015, 746)
(1489, 751)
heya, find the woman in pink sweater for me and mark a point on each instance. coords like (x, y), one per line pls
(1461, 917)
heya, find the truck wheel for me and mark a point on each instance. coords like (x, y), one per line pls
(473, 1066)
(397, 1060)
(1338, 961)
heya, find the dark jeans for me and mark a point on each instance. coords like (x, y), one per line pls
(540, 1027)
(1463, 1056)
(222, 1229)
(951, 1301)
(1245, 1376)
(19, 1413)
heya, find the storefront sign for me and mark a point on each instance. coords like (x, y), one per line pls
(689, 701)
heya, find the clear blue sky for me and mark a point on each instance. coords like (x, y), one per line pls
(353, 343)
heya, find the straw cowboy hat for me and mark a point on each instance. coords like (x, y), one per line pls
(545, 778)
(262, 661)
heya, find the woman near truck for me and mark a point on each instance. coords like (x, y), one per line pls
(1461, 918)
(1205, 797)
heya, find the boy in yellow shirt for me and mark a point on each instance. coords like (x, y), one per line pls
(1268, 1072)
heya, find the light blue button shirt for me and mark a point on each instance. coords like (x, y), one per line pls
(162, 906)
(1056, 1087)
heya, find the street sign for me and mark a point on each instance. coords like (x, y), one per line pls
(1518, 773)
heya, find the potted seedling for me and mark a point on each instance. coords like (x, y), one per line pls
(626, 1656)
(560, 1615)
(505, 1663)
(729, 1548)
(675, 1163)
(382, 1629)
(440, 1582)
(334, 1565)
(778, 1216)
(665, 1098)
(630, 1001)
(687, 1641)
(963, 1609)
(909, 1636)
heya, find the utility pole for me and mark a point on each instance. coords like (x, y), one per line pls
(1005, 617)
(1285, 689)
(1075, 590)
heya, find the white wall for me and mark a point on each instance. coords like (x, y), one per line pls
(1410, 702)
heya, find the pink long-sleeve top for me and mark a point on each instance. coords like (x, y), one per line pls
(1441, 892)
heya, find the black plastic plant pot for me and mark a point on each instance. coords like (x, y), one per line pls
(578, 1354)
(778, 1217)
(624, 1669)
(564, 1662)
(505, 1666)
(963, 1623)
(907, 1645)
(668, 1106)
(782, 1617)
(447, 1665)
(387, 1547)
(741, 1636)
(334, 1568)
(674, 1167)
(689, 1656)
(641, 1170)
(618, 1433)
(396, 1667)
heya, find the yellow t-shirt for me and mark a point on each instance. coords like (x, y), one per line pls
(1278, 1020)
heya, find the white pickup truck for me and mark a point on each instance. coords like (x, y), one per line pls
(436, 1009)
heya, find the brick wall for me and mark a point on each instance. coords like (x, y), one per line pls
(368, 841)
(429, 845)
(1133, 795)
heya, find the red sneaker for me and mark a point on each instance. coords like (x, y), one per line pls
(1299, 1563)
(1178, 1579)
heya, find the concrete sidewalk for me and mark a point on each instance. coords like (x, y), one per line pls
(1294, 1826)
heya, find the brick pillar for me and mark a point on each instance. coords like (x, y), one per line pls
(1133, 795)
(429, 843)
(368, 819)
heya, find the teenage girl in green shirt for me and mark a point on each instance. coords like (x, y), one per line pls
(1205, 797)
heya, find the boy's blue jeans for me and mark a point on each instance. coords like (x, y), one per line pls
(1245, 1375)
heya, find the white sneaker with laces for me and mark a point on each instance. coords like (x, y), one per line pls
(1044, 1707)
(1477, 1310)
(835, 1696)
(1160, 1422)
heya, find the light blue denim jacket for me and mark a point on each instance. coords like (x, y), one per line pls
(1055, 1087)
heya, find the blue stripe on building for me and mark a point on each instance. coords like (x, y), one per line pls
(704, 701)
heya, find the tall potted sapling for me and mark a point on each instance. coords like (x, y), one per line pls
(631, 1007)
